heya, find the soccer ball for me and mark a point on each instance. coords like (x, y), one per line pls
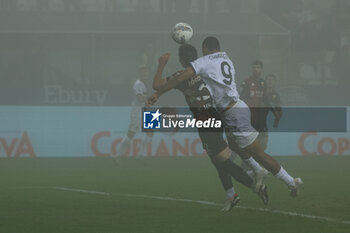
(182, 33)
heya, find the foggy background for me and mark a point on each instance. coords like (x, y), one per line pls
(87, 52)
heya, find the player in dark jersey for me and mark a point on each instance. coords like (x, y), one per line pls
(253, 89)
(201, 104)
(260, 102)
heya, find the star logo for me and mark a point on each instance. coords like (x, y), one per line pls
(156, 115)
(152, 119)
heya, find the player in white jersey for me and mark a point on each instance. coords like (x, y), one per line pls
(217, 70)
(200, 103)
(140, 92)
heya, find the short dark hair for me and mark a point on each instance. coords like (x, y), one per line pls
(211, 43)
(187, 54)
(257, 62)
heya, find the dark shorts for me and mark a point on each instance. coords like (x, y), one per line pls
(212, 139)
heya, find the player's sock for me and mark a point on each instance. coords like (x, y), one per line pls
(232, 199)
(237, 173)
(230, 192)
(124, 145)
(285, 177)
(225, 177)
(255, 166)
(146, 139)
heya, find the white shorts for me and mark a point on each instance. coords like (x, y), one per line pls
(238, 124)
(135, 119)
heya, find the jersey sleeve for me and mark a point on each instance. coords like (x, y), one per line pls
(198, 65)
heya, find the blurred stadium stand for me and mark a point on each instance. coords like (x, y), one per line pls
(86, 52)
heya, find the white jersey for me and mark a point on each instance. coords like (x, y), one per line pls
(139, 88)
(218, 73)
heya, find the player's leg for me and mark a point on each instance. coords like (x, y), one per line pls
(246, 168)
(134, 126)
(274, 167)
(240, 130)
(246, 157)
(226, 181)
(214, 144)
(232, 197)
(222, 161)
(217, 150)
(147, 138)
(125, 143)
(216, 147)
(258, 174)
(246, 137)
(263, 139)
(257, 151)
(225, 171)
(250, 165)
(219, 154)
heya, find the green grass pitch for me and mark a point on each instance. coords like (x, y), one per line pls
(29, 203)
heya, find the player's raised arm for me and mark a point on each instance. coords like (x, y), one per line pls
(185, 75)
(175, 81)
(157, 80)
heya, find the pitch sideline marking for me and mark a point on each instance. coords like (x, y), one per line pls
(81, 190)
(282, 212)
